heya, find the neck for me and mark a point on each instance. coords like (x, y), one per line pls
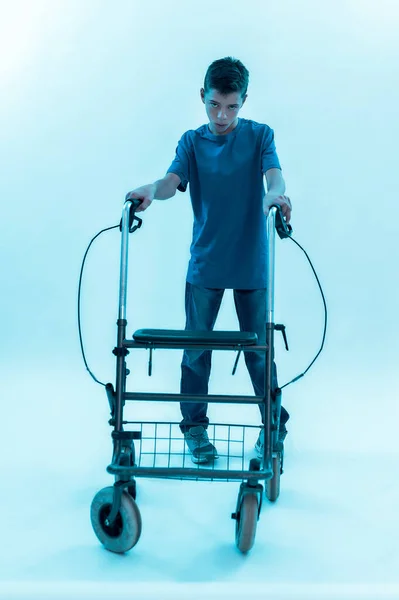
(232, 126)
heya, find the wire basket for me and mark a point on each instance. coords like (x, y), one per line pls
(162, 445)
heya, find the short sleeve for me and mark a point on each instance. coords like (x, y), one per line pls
(181, 164)
(268, 151)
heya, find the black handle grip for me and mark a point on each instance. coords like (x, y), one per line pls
(135, 204)
(283, 228)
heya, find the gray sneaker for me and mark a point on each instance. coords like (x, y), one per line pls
(200, 447)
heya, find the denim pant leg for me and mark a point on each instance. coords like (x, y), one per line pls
(202, 308)
(251, 312)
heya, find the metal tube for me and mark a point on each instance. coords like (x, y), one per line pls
(191, 398)
(120, 360)
(188, 346)
(120, 381)
(124, 260)
(268, 391)
(271, 236)
(170, 472)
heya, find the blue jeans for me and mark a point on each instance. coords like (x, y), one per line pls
(202, 308)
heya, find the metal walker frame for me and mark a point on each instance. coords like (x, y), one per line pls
(123, 465)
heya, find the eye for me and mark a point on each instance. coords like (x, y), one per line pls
(230, 107)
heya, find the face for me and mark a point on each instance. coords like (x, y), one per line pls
(222, 110)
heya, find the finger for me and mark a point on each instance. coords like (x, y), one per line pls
(130, 196)
(288, 201)
(285, 209)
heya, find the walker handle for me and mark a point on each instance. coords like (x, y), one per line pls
(283, 228)
(135, 204)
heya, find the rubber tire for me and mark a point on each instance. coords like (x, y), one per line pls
(272, 489)
(246, 522)
(127, 529)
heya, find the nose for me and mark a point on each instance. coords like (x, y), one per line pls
(221, 115)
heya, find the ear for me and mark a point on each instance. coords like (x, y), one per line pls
(202, 94)
(245, 97)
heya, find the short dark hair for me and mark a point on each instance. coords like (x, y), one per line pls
(227, 75)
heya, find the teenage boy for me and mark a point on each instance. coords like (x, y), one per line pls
(224, 161)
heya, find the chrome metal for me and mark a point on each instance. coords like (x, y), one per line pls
(124, 260)
(271, 237)
(182, 346)
(170, 472)
(191, 398)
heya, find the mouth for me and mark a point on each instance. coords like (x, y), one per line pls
(219, 125)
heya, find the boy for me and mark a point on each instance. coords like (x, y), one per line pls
(224, 161)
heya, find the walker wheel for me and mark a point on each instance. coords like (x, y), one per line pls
(125, 532)
(132, 489)
(273, 485)
(128, 461)
(246, 522)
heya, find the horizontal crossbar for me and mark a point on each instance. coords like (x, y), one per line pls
(191, 346)
(156, 397)
(183, 472)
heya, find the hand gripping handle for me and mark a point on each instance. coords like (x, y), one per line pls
(283, 229)
(132, 217)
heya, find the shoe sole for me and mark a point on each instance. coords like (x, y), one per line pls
(204, 459)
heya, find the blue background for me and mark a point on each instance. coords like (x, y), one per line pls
(93, 99)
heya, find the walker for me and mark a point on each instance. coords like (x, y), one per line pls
(158, 449)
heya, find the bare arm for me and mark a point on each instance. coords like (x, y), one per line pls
(166, 188)
(275, 182)
(275, 193)
(162, 189)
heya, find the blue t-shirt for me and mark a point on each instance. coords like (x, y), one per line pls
(225, 173)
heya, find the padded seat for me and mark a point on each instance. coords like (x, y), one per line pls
(177, 336)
